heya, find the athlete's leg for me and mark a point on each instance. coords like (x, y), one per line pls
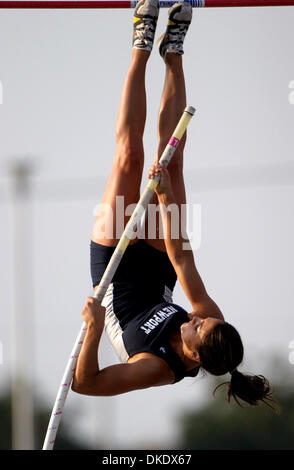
(171, 109)
(173, 103)
(126, 173)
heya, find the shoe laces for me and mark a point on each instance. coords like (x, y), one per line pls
(182, 32)
(142, 32)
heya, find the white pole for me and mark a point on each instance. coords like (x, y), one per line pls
(108, 275)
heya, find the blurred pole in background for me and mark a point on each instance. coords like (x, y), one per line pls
(22, 322)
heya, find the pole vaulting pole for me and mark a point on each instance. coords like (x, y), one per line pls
(109, 273)
(132, 3)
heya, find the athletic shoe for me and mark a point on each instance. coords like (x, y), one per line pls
(145, 20)
(179, 19)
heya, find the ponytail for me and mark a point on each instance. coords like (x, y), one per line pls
(220, 352)
(252, 389)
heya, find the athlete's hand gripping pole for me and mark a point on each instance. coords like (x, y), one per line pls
(109, 273)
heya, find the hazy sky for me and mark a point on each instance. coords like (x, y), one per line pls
(61, 74)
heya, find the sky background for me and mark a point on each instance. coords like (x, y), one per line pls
(61, 74)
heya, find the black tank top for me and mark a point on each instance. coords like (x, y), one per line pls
(150, 332)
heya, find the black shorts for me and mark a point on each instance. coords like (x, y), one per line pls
(140, 263)
(144, 278)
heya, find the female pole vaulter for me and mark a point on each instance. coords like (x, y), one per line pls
(157, 341)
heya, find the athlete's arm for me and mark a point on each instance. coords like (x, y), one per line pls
(166, 199)
(116, 379)
(181, 255)
(192, 284)
(183, 262)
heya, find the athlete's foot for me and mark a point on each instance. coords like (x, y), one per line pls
(179, 19)
(145, 21)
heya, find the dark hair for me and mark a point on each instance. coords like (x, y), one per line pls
(221, 351)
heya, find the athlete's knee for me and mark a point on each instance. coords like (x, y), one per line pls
(129, 163)
(175, 165)
(129, 155)
(176, 162)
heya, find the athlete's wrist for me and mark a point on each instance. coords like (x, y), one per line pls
(166, 198)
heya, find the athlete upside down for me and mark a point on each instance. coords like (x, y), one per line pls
(157, 341)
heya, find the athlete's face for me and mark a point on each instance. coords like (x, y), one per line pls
(194, 332)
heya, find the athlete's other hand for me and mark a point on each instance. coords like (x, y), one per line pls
(164, 185)
(93, 312)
